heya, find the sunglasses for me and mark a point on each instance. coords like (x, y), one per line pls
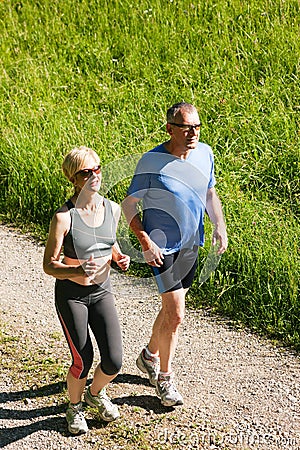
(87, 173)
(189, 128)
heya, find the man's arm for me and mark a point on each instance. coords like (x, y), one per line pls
(152, 253)
(215, 213)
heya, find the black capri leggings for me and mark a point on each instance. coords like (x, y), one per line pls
(79, 307)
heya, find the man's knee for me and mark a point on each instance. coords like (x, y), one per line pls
(175, 319)
(174, 307)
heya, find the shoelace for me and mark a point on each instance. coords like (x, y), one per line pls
(154, 363)
(77, 409)
(165, 384)
(106, 400)
(78, 416)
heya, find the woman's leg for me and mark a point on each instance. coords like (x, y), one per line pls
(104, 323)
(73, 315)
(100, 380)
(75, 388)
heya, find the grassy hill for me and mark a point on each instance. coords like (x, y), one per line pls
(102, 74)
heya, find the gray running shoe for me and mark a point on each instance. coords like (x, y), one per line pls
(107, 410)
(75, 419)
(151, 367)
(167, 391)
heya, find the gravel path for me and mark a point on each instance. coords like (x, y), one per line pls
(240, 391)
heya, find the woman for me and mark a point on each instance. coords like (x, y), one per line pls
(85, 227)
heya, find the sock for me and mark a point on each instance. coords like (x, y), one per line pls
(75, 404)
(164, 374)
(148, 354)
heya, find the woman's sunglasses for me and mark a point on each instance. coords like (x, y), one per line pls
(87, 173)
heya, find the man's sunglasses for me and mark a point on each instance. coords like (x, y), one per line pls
(87, 173)
(184, 127)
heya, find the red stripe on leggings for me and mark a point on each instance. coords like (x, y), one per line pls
(77, 366)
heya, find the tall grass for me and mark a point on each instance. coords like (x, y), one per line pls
(103, 73)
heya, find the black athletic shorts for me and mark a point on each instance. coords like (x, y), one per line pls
(177, 271)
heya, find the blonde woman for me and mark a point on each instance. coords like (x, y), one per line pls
(84, 230)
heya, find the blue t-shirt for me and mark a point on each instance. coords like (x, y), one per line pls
(174, 191)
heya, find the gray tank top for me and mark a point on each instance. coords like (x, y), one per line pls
(82, 240)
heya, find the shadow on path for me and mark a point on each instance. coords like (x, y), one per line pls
(57, 422)
(44, 391)
(131, 379)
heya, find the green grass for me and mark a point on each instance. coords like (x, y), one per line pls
(29, 363)
(103, 73)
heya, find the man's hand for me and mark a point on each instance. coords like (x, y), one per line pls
(220, 236)
(123, 261)
(152, 253)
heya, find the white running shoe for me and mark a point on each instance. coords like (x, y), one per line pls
(167, 391)
(149, 366)
(75, 419)
(107, 410)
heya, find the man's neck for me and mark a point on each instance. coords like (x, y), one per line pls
(179, 152)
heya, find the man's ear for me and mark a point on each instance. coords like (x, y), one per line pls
(169, 129)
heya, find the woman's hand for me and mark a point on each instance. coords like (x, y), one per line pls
(90, 267)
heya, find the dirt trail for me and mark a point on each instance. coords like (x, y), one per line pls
(240, 392)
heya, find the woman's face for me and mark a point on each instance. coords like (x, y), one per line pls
(89, 177)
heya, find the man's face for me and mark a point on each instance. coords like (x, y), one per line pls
(185, 137)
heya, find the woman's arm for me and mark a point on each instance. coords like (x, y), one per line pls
(120, 258)
(51, 263)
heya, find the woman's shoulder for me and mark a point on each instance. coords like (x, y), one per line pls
(65, 208)
(62, 214)
(115, 207)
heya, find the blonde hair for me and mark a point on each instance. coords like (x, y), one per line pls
(75, 160)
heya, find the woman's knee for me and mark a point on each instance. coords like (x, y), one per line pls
(81, 366)
(112, 365)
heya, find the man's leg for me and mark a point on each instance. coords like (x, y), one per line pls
(165, 329)
(173, 306)
(153, 345)
(156, 358)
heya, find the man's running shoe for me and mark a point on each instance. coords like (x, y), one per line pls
(107, 410)
(149, 366)
(167, 391)
(75, 419)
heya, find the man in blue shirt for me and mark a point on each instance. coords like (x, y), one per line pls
(175, 182)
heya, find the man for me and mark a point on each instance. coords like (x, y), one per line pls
(175, 181)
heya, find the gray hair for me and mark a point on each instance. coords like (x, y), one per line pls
(177, 108)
